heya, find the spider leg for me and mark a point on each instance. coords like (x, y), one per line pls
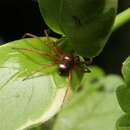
(84, 68)
(41, 53)
(34, 36)
(29, 35)
(88, 61)
(70, 76)
(68, 90)
(46, 34)
(50, 44)
(53, 45)
(30, 76)
(6, 67)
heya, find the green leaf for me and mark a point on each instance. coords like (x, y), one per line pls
(123, 95)
(27, 101)
(123, 92)
(126, 71)
(91, 109)
(124, 123)
(86, 23)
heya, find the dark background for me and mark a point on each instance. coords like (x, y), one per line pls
(18, 17)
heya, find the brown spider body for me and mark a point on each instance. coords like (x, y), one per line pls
(65, 62)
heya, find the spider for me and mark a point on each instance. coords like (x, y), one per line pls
(65, 62)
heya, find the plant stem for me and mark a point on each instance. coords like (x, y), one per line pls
(121, 19)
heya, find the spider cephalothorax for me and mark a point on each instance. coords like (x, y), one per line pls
(68, 62)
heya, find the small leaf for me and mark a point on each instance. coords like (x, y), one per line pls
(90, 109)
(123, 95)
(126, 71)
(28, 101)
(124, 123)
(86, 23)
(123, 92)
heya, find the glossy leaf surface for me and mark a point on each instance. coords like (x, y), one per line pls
(26, 101)
(87, 23)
